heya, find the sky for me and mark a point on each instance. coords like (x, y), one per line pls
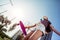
(31, 11)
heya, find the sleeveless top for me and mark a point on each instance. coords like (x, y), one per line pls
(46, 23)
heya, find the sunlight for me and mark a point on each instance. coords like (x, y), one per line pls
(18, 12)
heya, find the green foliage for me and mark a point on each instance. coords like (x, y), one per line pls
(1, 38)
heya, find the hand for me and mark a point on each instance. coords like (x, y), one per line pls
(59, 34)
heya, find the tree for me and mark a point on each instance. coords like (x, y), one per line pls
(4, 22)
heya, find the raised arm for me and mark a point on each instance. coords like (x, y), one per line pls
(53, 29)
(32, 25)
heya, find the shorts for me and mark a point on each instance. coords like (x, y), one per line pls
(40, 27)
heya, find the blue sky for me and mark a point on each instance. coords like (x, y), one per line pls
(33, 10)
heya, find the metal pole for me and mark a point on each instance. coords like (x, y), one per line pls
(11, 2)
